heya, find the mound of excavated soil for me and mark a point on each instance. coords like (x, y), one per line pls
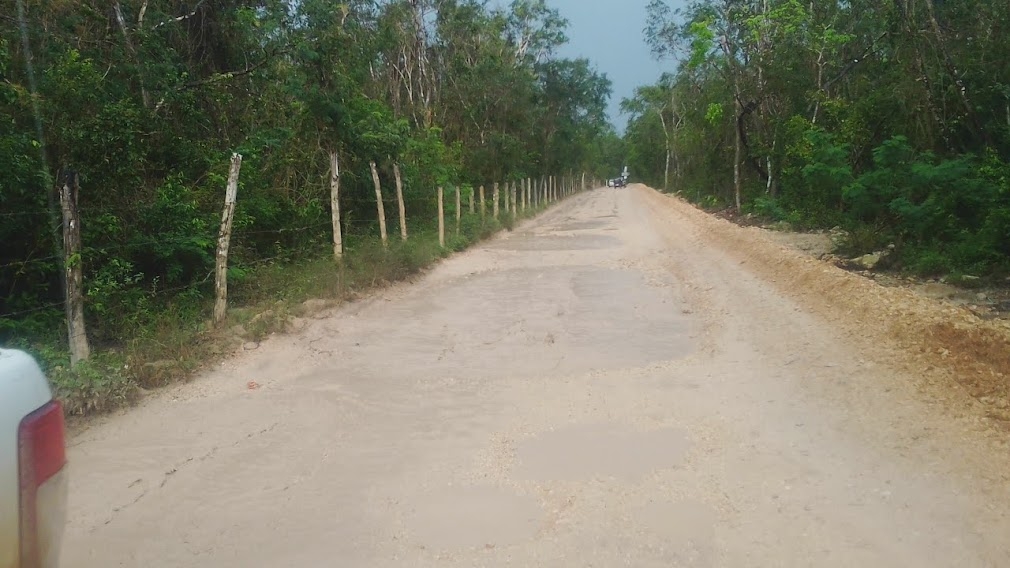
(953, 349)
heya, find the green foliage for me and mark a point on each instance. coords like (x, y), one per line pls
(714, 113)
(452, 92)
(886, 121)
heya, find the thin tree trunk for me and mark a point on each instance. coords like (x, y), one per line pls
(399, 201)
(144, 96)
(80, 349)
(338, 241)
(666, 174)
(381, 211)
(738, 149)
(666, 141)
(955, 75)
(224, 240)
(441, 217)
(459, 209)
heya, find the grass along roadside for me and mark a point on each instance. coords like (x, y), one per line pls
(178, 340)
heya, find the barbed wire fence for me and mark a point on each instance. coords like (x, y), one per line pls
(355, 217)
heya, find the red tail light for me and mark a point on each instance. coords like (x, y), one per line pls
(41, 455)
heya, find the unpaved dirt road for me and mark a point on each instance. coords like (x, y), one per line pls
(602, 387)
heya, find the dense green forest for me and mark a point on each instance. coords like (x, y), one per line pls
(890, 119)
(146, 100)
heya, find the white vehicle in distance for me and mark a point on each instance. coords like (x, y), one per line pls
(33, 472)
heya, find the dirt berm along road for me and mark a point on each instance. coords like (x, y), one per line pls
(607, 385)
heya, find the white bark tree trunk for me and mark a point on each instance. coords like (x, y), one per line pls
(399, 201)
(380, 210)
(338, 240)
(224, 240)
(441, 218)
(459, 209)
(738, 150)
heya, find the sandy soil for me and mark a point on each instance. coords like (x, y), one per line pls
(623, 382)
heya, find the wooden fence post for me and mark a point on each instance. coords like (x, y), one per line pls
(514, 194)
(483, 206)
(495, 196)
(338, 239)
(471, 201)
(583, 181)
(522, 195)
(73, 273)
(441, 218)
(224, 240)
(381, 211)
(459, 209)
(505, 201)
(399, 201)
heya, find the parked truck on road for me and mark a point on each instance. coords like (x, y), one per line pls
(33, 472)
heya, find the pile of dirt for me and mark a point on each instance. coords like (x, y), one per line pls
(946, 344)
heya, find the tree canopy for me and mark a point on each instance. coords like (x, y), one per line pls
(146, 99)
(891, 119)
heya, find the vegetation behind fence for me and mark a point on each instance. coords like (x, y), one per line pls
(121, 117)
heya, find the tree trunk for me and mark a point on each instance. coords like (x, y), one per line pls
(77, 334)
(224, 240)
(955, 75)
(144, 96)
(738, 149)
(338, 241)
(381, 211)
(459, 209)
(399, 201)
(666, 141)
(441, 218)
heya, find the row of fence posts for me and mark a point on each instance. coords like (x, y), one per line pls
(515, 198)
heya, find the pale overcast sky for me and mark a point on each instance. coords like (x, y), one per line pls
(609, 33)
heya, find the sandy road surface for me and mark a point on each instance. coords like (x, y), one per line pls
(602, 387)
